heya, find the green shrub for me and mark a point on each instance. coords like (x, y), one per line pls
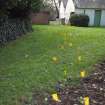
(79, 20)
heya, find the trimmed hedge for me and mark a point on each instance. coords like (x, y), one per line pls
(80, 20)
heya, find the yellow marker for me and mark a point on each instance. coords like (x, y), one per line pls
(55, 97)
(62, 47)
(70, 44)
(82, 74)
(54, 59)
(79, 58)
(86, 101)
(65, 72)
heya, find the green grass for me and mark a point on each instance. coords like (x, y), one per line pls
(26, 64)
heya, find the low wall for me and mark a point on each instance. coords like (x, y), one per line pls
(40, 18)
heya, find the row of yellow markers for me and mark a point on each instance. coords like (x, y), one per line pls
(55, 96)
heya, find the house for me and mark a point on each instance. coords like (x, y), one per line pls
(66, 7)
(95, 9)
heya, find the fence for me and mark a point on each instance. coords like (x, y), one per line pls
(10, 29)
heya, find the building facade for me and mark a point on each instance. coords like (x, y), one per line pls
(95, 9)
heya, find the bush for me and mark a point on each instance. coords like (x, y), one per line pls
(79, 20)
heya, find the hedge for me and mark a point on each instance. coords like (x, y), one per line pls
(81, 20)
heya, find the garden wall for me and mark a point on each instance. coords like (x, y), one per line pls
(40, 18)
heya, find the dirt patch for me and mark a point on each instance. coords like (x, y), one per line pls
(92, 86)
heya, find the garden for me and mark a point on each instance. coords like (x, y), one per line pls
(54, 65)
(49, 64)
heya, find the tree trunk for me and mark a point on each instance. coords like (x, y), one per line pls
(57, 10)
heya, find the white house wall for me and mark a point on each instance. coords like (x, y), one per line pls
(79, 11)
(62, 11)
(102, 23)
(89, 12)
(69, 8)
(65, 13)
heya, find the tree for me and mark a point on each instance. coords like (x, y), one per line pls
(15, 17)
(23, 6)
(57, 7)
(52, 4)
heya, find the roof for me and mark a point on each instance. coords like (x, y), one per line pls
(64, 2)
(92, 4)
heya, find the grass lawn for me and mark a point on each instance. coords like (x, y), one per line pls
(26, 64)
